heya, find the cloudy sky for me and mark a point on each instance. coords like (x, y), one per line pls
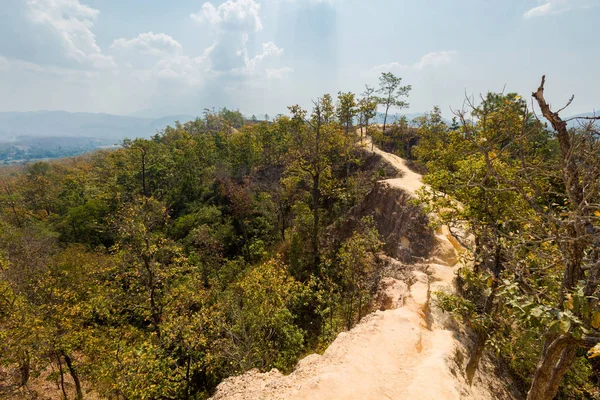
(159, 57)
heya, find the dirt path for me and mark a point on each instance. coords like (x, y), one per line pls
(406, 352)
(410, 181)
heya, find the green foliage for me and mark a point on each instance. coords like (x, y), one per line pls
(356, 259)
(160, 268)
(259, 326)
(498, 182)
(391, 91)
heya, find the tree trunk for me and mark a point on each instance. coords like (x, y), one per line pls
(361, 134)
(155, 312)
(315, 232)
(75, 376)
(25, 368)
(359, 306)
(481, 337)
(558, 355)
(62, 379)
(187, 378)
(559, 351)
(331, 316)
(385, 118)
(367, 133)
(350, 313)
(346, 150)
(315, 193)
(473, 363)
(144, 173)
(12, 205)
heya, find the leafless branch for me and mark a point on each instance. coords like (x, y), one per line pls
(595, 118)
(568, 104)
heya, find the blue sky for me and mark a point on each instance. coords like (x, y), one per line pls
(163, 57)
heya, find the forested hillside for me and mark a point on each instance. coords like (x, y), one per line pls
(156, 270)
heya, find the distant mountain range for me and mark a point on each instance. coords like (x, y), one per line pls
(106, 127)
(27, 136)
(51, 134)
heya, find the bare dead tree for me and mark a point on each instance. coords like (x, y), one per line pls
(579, 176)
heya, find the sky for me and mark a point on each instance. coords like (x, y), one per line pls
(160, 57)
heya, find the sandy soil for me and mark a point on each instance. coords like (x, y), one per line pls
(409, 351)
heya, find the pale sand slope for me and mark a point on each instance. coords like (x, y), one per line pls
(401, 353)
(410, 181)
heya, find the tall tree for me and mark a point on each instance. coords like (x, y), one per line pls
(141, 146)
(367, 109)
(391, 91)
(346, 110)
(315, 139)
(579, 168)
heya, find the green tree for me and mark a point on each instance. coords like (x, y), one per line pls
(150, 263)
(316, 140)
(390, 93)
(518, 188)
(357, 264)
(259, 327)
(367, 109)
(578, 169)
(458, 164)
(346, 110)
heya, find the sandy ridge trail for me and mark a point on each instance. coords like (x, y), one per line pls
(404, 352)
(410, 181)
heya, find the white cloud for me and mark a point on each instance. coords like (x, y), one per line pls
(432, 59)
(236, 15)
(311, 1)
(182, 67)
(150, 56)
(269, 49)
(235, 23)
(66, 63)
(150, 43)
(72, 23)
(154, 57)
(549, 7)
(278, 73)
(389, 67)
(435, 59)
(539, 11)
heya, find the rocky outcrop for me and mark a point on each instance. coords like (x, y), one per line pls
(400, 221)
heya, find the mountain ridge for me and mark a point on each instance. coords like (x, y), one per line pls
(110, 127)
